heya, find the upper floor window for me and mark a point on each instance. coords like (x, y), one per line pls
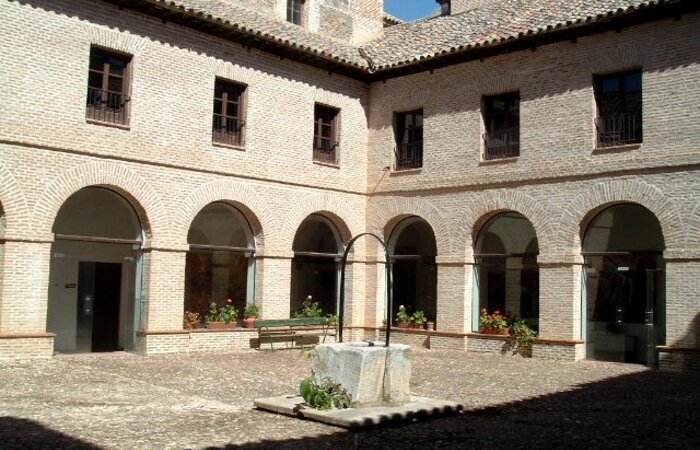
(228, 119)
(295, 9)
(502, 122)
(108, 87)
(408, 130)
(326, 134)
(619, 101)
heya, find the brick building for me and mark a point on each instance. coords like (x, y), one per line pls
(534, 157)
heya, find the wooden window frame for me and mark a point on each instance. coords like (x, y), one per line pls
(502, 141)
(295, 11)
(104, 105)
(623, 126)
(409, 140)
(229, 129)
(325, 145)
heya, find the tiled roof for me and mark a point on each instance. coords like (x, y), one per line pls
(505, 20)
(411, 42)
(229, 14)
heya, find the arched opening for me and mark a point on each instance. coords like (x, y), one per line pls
(318, 249)
(624, 311)
(219, 264)
(412, 249)
(507, 275)
(95, 273)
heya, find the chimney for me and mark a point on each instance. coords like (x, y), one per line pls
(444, 7)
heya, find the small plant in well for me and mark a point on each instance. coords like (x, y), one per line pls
(324, 396)
(226, 313)
(309, 308)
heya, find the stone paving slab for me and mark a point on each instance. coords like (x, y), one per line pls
(353, 418)
(204, 401)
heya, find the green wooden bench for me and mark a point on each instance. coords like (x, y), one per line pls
(290, 330)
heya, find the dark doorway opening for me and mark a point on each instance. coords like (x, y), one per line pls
(99, 294)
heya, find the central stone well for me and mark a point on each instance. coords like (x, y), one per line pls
(373, 375)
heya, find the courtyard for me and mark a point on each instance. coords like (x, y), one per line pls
(201, 400)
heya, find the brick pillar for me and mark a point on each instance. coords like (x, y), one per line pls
(273, 286)
(682, 302)
(514, 269)
(454, 294)
(163, 290)
(24, 294)
(560, 299)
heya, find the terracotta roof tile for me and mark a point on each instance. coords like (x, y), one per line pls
(409, 42)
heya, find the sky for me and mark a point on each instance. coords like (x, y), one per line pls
(410, 9)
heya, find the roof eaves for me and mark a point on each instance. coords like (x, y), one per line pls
(570, 29)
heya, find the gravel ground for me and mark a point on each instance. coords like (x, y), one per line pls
(124, 401)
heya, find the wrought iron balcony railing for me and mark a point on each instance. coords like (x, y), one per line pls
(325, 150)
(502, 143)
(227, 130)
(409, 156)
(106, 106)
(619, 129)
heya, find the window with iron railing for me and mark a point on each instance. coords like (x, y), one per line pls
(619, 103)
(502, 121)
(108, 87)
(295, 11)
(228, 118)
(326, 134)
(408, 129)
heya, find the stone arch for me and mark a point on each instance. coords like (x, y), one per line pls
(13, 204)
(332, 208)
(242, 197)
(490, 204)
(385, 213)
(142, 197)
(596, 198)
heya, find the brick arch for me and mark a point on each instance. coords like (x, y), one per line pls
(243, 197)
(491, 203)
(693, 232)
(13, 204)
(133, 187)
(596, 198)
(334, 209)
(386, 212)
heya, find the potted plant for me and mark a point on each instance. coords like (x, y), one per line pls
(430, 325)
(190, 320)
(222, 318)
(495, 323)
(309, 308)
(250, 313)
(403, 320)
(523, 338)
(418, 320)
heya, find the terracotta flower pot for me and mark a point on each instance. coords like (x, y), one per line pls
(249, 322)
(430, 326)
(221, 325)
(494, 331)
(402, 324)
